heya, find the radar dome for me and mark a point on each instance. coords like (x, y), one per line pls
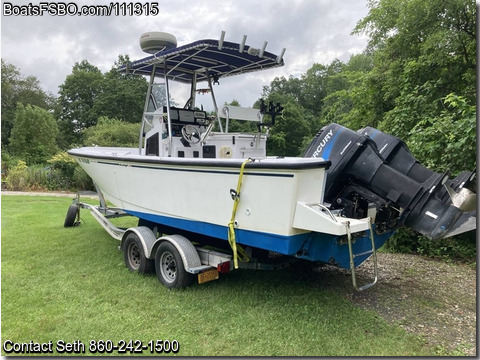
(154, 41)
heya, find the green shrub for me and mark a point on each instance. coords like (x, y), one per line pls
(112, 132)
(37, 177)
(62, 173)
(81, 180)
(456, 248)
(8, 161)
(64, 163)
(66, 174)
(17, 177)
(34, 133)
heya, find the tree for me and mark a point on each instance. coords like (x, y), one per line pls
(19, 89)
(308, 90)
(423, 51)
(122, 96)
(284, 91)
(87, 94)
(290, 88)
(77, 98)
(34, 134)
(347, 100)
(289, 134)
(439, 141)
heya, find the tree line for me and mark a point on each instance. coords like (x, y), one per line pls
(416, 79)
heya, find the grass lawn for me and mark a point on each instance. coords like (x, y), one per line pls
(71, 285)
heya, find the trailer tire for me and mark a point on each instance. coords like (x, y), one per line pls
(170, 268)
(71, 216)
(134, 256)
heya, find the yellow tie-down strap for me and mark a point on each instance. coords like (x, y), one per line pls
(238, 251)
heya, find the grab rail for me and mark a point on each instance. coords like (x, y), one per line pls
(324, 208)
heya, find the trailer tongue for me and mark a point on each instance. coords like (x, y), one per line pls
(373, 170)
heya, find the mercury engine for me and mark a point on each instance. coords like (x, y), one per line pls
(374, 174)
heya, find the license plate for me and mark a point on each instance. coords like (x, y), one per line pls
(207, 275)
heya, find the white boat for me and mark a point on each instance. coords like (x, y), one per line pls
(190, 176)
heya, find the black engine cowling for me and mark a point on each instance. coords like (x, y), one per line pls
(374, 174)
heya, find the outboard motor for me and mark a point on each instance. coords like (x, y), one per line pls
(373, 174)
(396, 154)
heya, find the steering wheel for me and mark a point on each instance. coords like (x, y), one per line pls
(191, 134)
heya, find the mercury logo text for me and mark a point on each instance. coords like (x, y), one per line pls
(323, 143)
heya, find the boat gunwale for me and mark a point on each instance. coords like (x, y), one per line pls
(309, 163)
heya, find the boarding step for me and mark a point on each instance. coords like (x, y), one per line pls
(372, 252)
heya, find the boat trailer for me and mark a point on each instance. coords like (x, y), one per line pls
(141, 245)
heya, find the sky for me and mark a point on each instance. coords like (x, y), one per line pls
(311, 31)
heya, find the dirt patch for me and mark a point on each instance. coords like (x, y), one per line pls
(432, 299)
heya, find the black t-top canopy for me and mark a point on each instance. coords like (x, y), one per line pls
(220, 58)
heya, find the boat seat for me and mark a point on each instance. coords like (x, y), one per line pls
(239, 113)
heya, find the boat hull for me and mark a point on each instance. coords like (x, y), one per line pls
(199, 191)
(194, 196)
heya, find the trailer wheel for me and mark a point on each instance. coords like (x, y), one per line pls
(170, 268)
(134, 256)
(71, 216)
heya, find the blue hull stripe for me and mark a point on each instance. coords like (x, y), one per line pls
(311, 246)
(287, 245)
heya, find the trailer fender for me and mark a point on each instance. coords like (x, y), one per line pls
(187, 251)
(146, 236)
